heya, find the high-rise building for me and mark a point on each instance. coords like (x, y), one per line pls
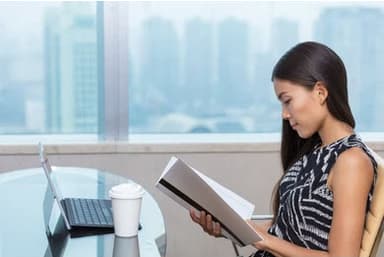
(12, 109)
(198, 66)
(356, 34)
(284, 35)
(233, 88)
(20, 83)
(71, 89)
(160, 72)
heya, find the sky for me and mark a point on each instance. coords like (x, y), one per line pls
(258, 14)
(254, 12)
(26, 34)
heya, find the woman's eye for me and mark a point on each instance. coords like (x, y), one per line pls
(286, 101)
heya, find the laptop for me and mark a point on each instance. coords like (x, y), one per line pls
(82, 216)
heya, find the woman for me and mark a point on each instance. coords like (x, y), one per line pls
(323, 196)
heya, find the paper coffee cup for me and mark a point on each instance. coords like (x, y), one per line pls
(126, 205)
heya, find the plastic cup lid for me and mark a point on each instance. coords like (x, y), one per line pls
(129, 190)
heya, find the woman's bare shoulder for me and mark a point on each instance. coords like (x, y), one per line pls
(353, 165)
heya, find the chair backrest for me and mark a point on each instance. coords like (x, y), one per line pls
(374, 227)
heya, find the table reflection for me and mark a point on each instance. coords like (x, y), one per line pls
(126, 247)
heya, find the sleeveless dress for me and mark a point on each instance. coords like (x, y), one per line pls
(306, 203)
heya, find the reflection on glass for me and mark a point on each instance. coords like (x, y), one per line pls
(126, 247)
(204, 67)
(57, 240)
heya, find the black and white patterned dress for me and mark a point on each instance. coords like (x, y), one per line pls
(306, 203)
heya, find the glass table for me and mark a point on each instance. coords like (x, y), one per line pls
(26, 231)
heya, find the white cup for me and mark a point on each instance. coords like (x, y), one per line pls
(126, 205)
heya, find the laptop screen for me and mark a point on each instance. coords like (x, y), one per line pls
(52, 183)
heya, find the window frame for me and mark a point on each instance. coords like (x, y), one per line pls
(113, 78)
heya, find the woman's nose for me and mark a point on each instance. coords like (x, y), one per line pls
(285, 114)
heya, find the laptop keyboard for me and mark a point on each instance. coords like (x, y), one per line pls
(89, 211)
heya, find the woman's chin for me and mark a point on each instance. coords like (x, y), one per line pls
(303, 134)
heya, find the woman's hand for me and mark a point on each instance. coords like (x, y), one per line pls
(206, 223)
(262, 230)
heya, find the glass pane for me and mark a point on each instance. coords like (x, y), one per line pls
(206, 66)
(48, 68)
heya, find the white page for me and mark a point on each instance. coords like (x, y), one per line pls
(237, 203)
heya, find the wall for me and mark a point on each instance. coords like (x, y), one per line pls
(250, 170)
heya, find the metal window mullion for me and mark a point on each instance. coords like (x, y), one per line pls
(115, 48)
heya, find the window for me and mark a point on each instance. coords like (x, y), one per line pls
(204, 67)
(173, 67)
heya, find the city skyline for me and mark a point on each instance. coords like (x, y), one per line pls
(285, 34)
(171, 71)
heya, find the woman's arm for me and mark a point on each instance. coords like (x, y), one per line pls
(351, 180)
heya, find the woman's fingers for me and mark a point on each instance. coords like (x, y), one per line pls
(206, 222)
(193, 216)
(217, 229)
(202, 220)
(209, 225)
(213, 228)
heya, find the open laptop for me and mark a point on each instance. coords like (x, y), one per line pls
(81, 216)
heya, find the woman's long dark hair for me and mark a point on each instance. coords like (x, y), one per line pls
(305, 64)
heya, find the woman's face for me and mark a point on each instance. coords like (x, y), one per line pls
(302, 107)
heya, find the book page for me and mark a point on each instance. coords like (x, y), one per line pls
(237, 203)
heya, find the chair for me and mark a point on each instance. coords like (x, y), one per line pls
(374, 227)
(374, 223)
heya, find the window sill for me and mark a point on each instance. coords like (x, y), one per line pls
(150, 143)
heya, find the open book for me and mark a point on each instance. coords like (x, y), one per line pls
(192, 189)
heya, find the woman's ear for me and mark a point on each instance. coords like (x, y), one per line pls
(321, 92)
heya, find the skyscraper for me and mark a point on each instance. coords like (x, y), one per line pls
(356, 34)
(160, 73)
(233, 88)
(71, 90)
(198, 66)
(284, 35)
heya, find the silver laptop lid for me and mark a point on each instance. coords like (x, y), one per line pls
(51, 182)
